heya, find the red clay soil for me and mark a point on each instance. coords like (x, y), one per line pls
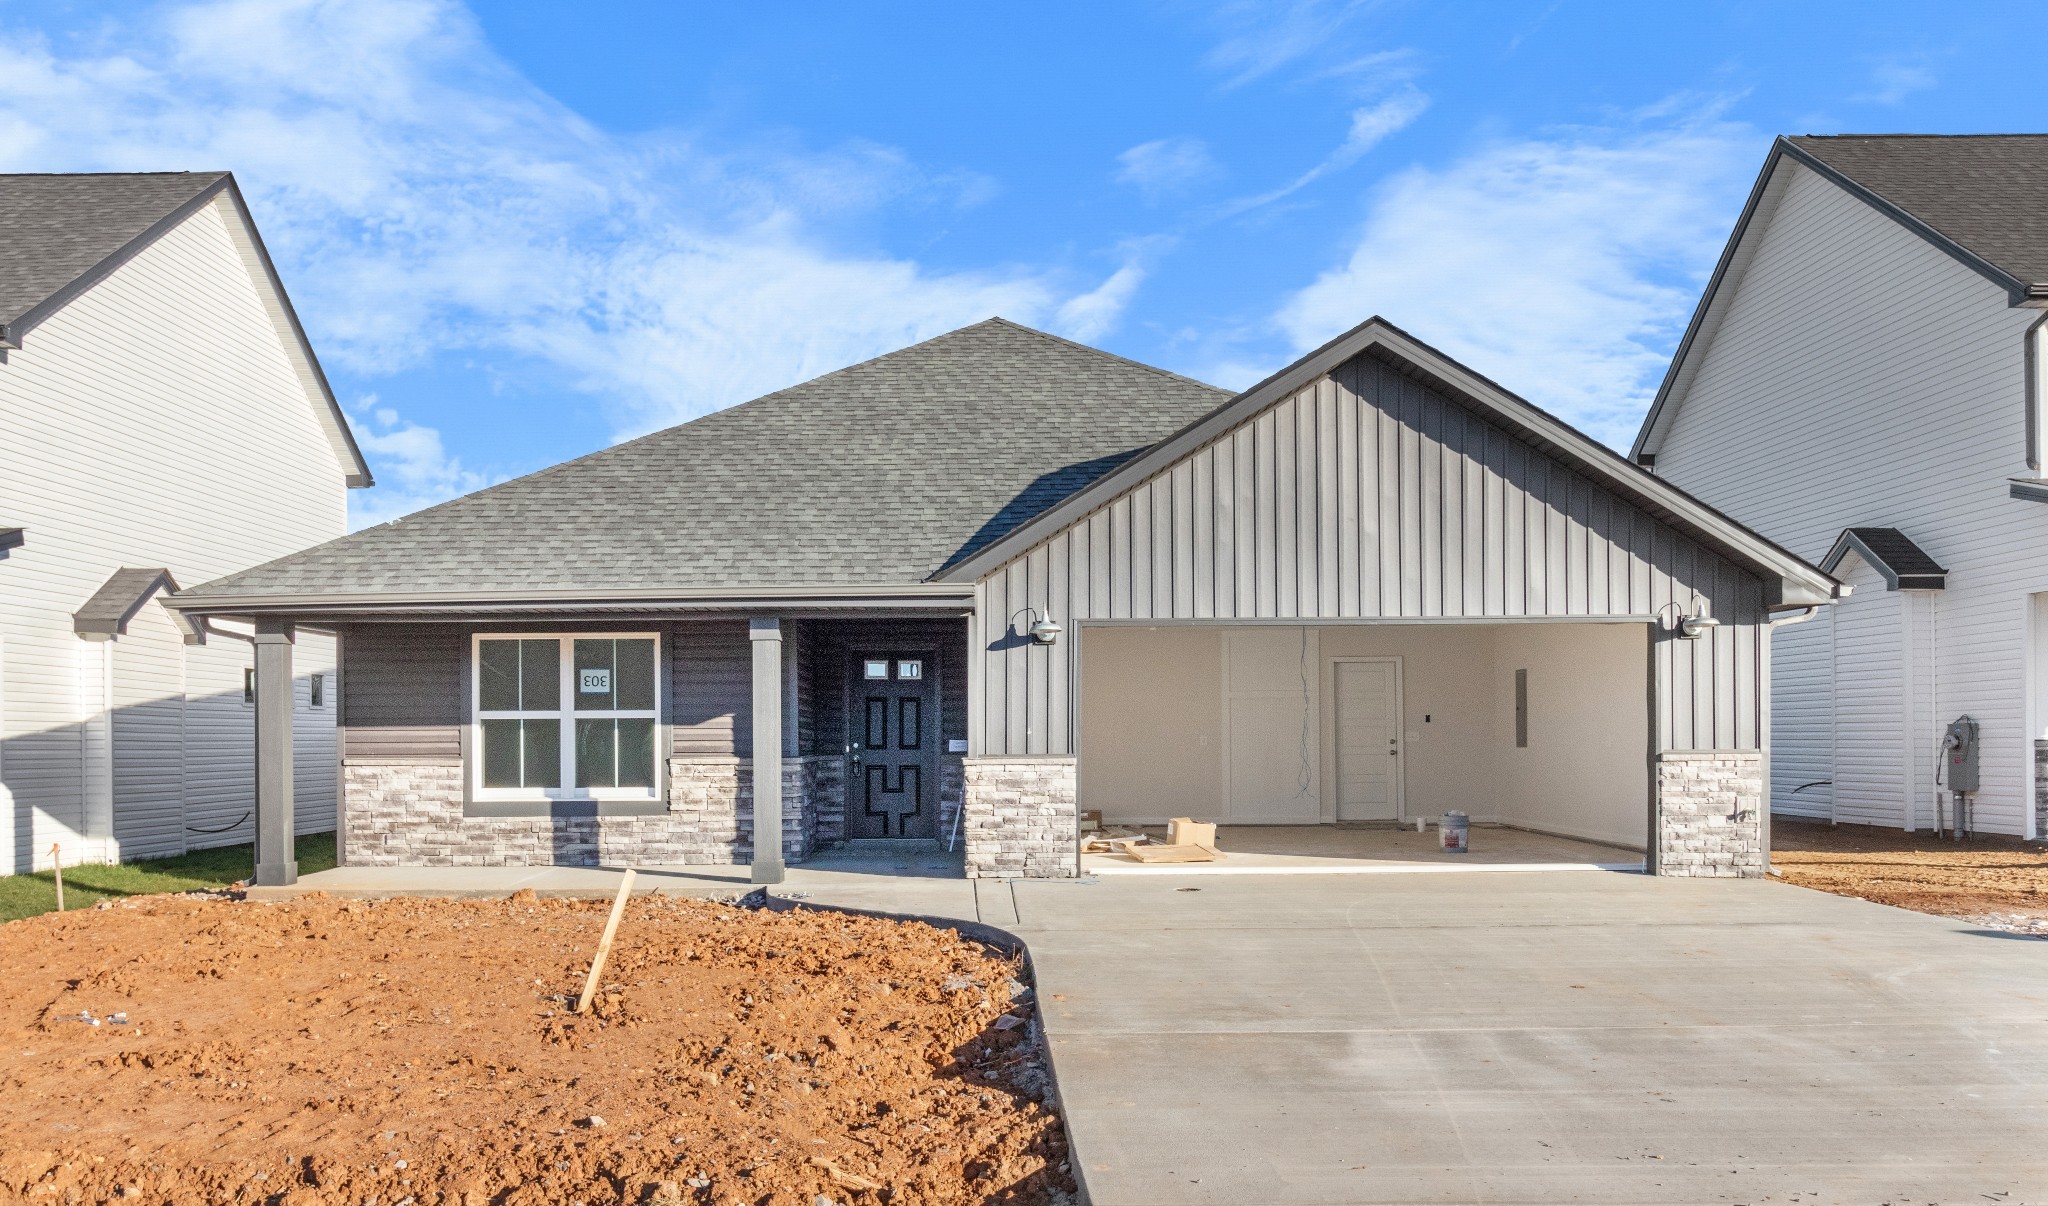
(424, 1052)
(1998, 879)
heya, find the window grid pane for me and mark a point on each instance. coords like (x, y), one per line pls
(525, 675)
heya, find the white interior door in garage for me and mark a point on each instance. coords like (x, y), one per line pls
(1368, 733)
(1269, 719)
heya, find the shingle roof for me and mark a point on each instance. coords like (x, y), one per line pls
(118, 599)
(56, 228)
(1984, 192)
(878, 474)
(1904, 565)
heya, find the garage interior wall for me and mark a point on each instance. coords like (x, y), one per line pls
(1153, 729)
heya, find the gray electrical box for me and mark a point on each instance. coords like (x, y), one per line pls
(1959, 754)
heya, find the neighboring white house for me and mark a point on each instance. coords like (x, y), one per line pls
(1860, 383)
(162, 421)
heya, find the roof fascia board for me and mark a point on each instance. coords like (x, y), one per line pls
(198, 601)
(256, 256)
(1801, 583)
(12, 333)
(1734, 261)
(2017, 290)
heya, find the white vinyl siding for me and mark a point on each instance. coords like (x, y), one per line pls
(155, 420)
(1860, 376)
(1803, 718)
(1870, 681)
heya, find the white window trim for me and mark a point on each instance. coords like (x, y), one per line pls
(569, 712)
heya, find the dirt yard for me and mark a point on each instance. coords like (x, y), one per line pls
(424, 1052)
(1997, 880)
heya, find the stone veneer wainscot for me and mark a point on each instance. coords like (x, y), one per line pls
(1019, 818)
(1710, 813)
(407, 812)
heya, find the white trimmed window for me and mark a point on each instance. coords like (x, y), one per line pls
(566, 717)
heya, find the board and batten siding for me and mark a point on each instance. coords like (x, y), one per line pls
(1366, 495)
(154, 420)
(1860, 376)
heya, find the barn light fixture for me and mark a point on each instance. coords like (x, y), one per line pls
(1044, 629)
(1689, 627)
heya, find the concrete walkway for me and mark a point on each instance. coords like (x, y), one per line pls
(1553, 1037)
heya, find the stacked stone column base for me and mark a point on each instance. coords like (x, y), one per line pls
(1018, 818)
(1710, 813)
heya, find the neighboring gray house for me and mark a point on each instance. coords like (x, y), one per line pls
(1004, 575)
(1862, 382)
(162, 421)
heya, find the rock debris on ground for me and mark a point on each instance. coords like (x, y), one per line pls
(1997, 881)
(424, 1052)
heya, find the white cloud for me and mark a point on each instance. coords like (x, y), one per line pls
(1893, 80)
(1096, 312)
(413, 468)
(1370, 126)
(1164, 164)
(424, 198)
(1262, 37)
(1564, 268)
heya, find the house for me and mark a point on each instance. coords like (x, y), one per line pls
(162, 421)
(977, 584)
(1862, 384)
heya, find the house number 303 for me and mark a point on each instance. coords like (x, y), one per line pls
(595, 682)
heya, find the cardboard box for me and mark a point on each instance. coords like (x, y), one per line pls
(1186, 831)
(1174, 854)
(1091, 820)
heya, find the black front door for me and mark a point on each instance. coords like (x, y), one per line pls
(894, 729)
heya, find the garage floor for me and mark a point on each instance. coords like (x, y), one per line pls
(1326, 849)
(1536, 1038)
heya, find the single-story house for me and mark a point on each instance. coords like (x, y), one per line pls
(973, 586)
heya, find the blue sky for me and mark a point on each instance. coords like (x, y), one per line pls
(516, 238)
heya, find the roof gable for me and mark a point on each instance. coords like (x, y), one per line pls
(1980, 194)
(1798, 582)
(1903, 564)
(121, 598)
(64, 233)
(876, 475)
(1975, 197)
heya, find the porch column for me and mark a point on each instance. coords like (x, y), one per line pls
(276, 861)
(767, 642)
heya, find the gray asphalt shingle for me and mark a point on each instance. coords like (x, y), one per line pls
(1983, 191)
(55, 228)
(881, 473)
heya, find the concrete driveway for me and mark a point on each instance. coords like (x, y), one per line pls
(1544, 1037)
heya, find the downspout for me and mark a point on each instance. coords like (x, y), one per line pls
(1764, 820)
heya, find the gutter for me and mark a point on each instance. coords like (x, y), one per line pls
(905, 595)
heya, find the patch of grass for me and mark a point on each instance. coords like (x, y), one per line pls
(28, 895)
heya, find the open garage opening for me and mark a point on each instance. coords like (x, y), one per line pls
(1319, 746)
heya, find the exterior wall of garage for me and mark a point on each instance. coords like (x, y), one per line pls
(1369, 494)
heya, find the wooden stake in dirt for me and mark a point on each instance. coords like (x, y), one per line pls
(57, 873)
(604, 944)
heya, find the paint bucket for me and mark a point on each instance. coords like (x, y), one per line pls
(1454, 832)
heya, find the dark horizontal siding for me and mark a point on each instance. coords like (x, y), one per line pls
(402, 691)
(711, 689)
